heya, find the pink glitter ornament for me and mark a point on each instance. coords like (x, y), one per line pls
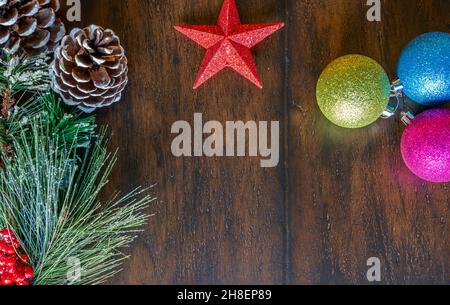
(228, 44)
(426, 145)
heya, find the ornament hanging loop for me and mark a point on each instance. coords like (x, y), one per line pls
(407, 118)
(396, 98)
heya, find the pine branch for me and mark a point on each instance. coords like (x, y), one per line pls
(54, 167)
(22, 73)
(20, 77)
(49, 200)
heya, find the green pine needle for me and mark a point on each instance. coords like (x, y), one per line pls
(68, 126)
(48, 198)
(22, 73)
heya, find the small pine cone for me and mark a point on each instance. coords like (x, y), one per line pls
(90, 68)
(30, 26)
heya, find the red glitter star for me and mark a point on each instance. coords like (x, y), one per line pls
(228, 44)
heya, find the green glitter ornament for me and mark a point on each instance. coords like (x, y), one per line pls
(353, 91)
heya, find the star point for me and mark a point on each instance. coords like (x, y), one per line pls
(228, 44)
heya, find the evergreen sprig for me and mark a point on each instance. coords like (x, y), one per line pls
(20, 73)
(53, 166)
(50, 202)
(67, 124)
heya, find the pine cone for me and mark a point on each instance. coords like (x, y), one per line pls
(30, 25)
(90, 68)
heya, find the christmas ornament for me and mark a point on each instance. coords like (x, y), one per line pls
(14, 268)
(228, 44)
(353, 91)
(30, 25)
(425, 145)
(90, 68)
(424, 69)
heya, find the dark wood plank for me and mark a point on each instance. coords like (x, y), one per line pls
(337, 198)
(217, 221)
(350, 196)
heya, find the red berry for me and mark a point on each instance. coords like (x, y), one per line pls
(28, 271)
(13, 262)
(4, 232)
(10, 261)
(8, 236)
(22, 283)
(6, 280)
(24, 258)
(3, 245)
(11, 269)
(6, 248)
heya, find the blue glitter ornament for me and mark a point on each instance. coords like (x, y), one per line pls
(424, 69)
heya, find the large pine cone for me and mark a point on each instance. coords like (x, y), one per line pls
(90, 68)
(30, 25)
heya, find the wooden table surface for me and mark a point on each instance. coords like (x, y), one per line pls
(337, 198)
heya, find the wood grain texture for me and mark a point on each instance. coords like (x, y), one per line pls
(337, 198)
(350, 195)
